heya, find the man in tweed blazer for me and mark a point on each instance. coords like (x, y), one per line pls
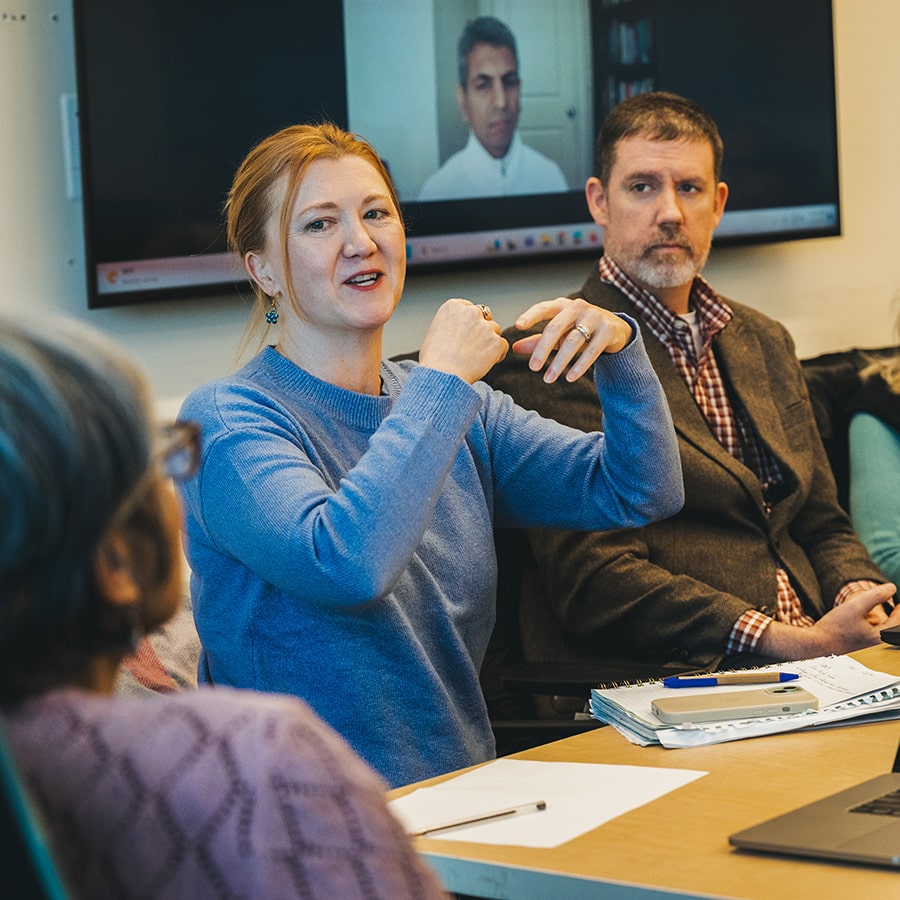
(762, 561)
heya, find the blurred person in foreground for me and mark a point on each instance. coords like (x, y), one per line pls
(191, 794)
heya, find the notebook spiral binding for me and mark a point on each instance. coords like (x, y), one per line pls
(692, 673)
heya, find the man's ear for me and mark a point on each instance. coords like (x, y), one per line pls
(114, 571)
(461, 103)
(596, 200)
(721, 200)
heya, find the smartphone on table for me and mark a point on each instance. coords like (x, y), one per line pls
(715, 706)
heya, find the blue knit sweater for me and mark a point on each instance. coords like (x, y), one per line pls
(341, 544)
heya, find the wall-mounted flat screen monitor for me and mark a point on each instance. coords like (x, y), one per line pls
(172, 96)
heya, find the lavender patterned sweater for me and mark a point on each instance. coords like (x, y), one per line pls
(209, 794)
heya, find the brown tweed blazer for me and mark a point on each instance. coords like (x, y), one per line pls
(672, 591)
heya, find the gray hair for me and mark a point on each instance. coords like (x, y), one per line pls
(483, 30)
(75, 440)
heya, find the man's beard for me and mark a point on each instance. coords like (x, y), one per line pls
(659, 274)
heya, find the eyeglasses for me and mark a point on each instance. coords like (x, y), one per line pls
(177, 450)
(175, 455)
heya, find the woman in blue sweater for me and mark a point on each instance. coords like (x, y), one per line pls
(340, 530)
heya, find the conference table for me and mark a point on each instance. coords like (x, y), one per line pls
(677, 845)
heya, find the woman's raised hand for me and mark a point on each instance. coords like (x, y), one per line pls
(575, 328)
(463, 340)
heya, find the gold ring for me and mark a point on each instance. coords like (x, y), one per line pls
(485, 311)
(584, 331)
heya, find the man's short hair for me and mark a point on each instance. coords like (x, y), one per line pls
(658, 116)
(483, 30)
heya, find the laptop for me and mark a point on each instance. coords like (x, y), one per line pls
(860, 824)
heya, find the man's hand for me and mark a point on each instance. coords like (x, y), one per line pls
(843, 629)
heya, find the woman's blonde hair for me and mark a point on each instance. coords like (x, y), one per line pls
(887, 367)
(251, 202)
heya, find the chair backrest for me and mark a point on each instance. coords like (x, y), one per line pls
(514, 562)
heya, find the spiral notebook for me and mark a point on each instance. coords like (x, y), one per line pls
(846, 690)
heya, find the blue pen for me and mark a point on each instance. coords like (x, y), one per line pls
(749, 677)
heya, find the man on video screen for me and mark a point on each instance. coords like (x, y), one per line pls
(495, 161)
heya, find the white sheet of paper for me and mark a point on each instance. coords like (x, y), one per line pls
(579, 797)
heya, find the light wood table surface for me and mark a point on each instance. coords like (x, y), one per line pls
(678, 845)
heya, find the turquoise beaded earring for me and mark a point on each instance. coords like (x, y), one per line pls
(272, 313)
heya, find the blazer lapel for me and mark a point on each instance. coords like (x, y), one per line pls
(741, 358)
(690, 423)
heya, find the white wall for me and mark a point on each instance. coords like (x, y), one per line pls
(832, 293)
(402, 30)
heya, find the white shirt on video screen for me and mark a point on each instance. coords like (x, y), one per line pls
(473, 172)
